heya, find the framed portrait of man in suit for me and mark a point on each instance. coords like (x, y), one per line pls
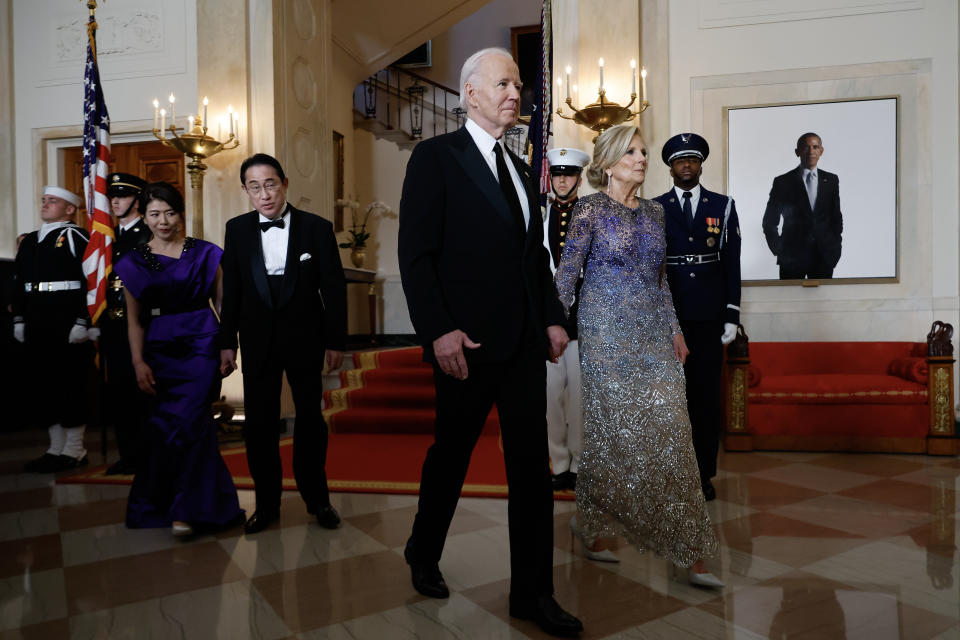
(817, 190)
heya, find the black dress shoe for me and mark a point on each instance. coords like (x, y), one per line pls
(548, 615)
(121, 467)
(260, 520)
(66, 463)
(426, 578)
(709, 493)
(327, 517)
(565, 480)
(46, 463)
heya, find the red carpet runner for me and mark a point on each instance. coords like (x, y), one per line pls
(381, 424)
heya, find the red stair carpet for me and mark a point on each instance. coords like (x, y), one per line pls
(387, 391)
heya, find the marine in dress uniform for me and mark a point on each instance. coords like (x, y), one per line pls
(703, 269)
(564, 407)
(125, 405)
(51, 319)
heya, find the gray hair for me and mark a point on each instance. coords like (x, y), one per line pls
(610, 146)
(470, 67)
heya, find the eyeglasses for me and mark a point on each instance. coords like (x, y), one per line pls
(267, 187)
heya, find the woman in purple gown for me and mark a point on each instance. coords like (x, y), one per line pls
(169, 285)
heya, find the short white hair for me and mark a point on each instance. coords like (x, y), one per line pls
(469, 69)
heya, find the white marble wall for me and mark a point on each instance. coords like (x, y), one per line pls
(146, 49)
(909, 50)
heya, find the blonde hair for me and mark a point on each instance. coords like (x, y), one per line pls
(607, 151)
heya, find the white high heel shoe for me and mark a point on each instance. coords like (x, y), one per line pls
(604, 555)
(181, 529)
(704, 579)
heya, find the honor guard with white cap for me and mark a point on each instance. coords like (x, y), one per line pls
(51, 319)
(125, 405)
(564, 409)
(703, 269)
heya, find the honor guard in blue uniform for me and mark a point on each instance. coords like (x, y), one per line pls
(51, 319)
(703, 269)
(564, 407)
(125, 405)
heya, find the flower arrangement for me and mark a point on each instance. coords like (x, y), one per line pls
(358, 229)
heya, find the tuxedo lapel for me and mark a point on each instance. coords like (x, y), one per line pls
(526, 179)
(800, 194)
(478, 171)
(257, 263)
(292, 267)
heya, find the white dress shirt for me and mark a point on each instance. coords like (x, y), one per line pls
(126, 227)
(274, 241)
(485, 142)
(694, 197)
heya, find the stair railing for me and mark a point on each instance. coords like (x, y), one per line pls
(418, 106)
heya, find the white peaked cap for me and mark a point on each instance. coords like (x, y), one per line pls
(63, 194)
(567, 157)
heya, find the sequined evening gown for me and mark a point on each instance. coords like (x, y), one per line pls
(638, 474)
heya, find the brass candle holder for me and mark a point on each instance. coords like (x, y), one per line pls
(602, 114)
(198, 145)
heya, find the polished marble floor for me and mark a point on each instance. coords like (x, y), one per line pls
(813, 546)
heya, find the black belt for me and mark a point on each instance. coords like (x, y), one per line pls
(693, 258)
(163, 311)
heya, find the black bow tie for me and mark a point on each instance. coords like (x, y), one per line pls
(278, 223)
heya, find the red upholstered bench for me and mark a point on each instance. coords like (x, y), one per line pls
(842, 396)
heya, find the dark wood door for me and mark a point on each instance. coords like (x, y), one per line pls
(152, 161)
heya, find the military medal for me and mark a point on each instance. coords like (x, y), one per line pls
(713, 225)
(711, 242)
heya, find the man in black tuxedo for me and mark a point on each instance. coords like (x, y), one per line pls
(807, 199)
(481, 297)
(126, 407)
(284, 291)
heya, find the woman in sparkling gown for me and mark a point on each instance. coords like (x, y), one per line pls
(169, 283)
(638, 474)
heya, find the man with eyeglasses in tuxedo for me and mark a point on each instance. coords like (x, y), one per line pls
(284, 292)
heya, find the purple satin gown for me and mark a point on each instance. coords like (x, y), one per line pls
(183, 477)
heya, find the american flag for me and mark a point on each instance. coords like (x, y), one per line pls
(98, 258)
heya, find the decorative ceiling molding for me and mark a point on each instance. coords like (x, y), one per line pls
(373, 34)
(733, 13)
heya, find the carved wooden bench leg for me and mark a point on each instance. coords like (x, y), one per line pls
(941, 439)
(737, 436)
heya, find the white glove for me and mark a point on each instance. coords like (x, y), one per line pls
(78, 334)
(729, 333)
(18, 331)
(93, 333)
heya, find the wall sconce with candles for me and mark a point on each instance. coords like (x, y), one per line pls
(195, 143)
(603, 114)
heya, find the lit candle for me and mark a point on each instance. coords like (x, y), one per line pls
(156, 113)
(189, 123)
(568, 81)
(643, 79)
(633, 77)
(205, 103)
(230, 118)
(163, 120)
(236, 127)
(601, 74)
(574, 88)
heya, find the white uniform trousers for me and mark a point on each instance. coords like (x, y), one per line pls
(565, 411)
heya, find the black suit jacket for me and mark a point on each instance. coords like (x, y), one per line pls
(809, 237)
(462, 262)
(310, 312)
